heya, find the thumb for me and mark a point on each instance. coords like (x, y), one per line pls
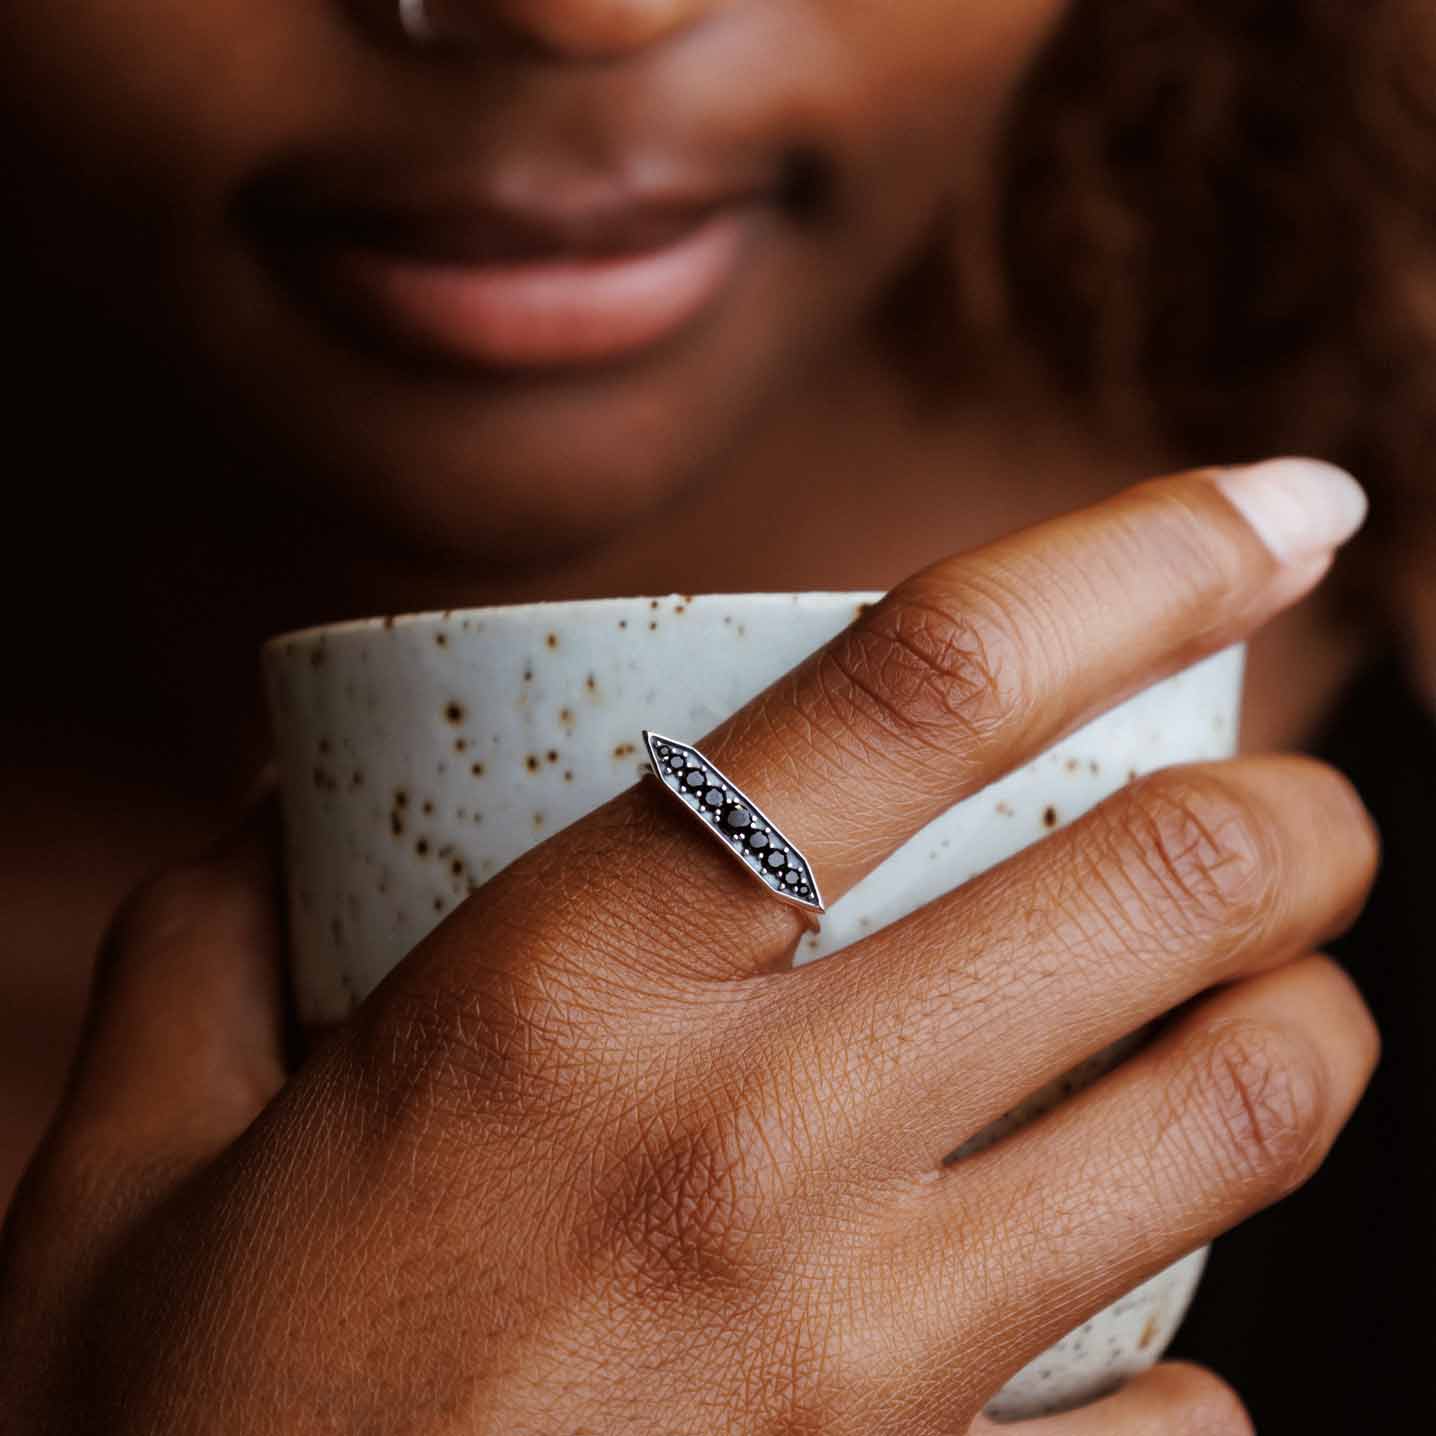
(184, 1042)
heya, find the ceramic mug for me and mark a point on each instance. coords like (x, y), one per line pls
(421, 755)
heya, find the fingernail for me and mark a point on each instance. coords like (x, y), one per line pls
(1300, 508)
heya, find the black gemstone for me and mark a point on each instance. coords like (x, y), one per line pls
(758, 841)
(695, 779)
(714, 797)
(737, 819)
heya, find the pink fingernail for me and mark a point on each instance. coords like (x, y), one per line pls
(1300, 508)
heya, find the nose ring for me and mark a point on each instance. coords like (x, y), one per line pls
(414, 17)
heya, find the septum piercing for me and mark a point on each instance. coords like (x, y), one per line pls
(414, 17)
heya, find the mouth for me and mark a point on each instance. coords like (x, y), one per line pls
(532, 284)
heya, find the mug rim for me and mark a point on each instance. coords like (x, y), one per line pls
(426, 619)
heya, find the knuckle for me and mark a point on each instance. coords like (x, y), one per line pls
(1260, 1106)
(1207, 1406)
(430, 1053)
(932, 665)
(1197, 855)
(1193, 1401)
(176, 904)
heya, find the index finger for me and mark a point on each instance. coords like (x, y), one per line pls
(963, 672)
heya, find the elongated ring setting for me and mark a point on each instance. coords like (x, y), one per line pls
(743, 828)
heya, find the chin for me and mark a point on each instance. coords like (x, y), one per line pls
(520, 484)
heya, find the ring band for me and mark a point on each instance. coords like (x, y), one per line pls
(732, 817)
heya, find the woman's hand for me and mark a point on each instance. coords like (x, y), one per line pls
(596, 1159)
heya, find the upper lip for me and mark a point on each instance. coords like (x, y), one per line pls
(479, 223)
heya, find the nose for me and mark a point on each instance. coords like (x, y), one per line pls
(580, 29)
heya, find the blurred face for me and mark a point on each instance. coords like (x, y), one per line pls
(517, 282)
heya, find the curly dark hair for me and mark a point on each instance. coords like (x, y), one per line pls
(1219, 223)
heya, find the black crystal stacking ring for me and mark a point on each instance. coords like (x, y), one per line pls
(732, 817)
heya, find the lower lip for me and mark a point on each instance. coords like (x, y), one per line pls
(542, 313)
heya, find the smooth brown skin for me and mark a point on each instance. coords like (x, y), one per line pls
(595, 1161)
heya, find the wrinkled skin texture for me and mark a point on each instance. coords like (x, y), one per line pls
(584, 1165)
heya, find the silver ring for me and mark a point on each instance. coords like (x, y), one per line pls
(414, 17)
(732, 817)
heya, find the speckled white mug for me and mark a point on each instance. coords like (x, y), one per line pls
(421, 755)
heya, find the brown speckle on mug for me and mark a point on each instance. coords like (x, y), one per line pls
(532, 763)
(1049, 818)
(442, 639)
(454, 712)
(477, 770)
